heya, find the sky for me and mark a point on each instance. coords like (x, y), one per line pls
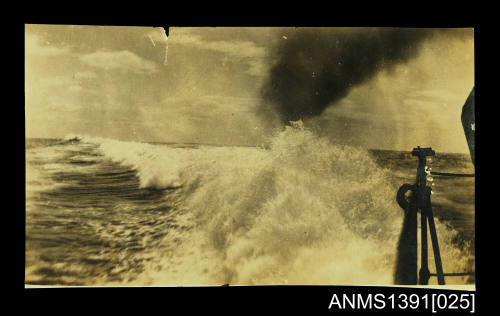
(123, 83)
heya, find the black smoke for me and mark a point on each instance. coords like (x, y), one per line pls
(317, 67)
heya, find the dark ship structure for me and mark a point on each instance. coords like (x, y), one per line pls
(419, 201)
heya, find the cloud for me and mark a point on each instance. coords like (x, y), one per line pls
(75, 88)
(258, 68)
(53, 81)
(122, 60)
(440, 95)
(215, 119)
(85, 75)
(34, 47)
(237, 50)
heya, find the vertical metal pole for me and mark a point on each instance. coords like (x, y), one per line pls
(435, 246)
(422, 199)
(424, 273)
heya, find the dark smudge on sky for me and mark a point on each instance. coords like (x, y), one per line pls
(317, 67)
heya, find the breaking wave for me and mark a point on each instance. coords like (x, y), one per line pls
(303, 211)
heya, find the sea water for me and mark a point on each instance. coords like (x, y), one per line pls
(300, 210)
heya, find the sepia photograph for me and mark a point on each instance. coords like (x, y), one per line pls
(209, 156)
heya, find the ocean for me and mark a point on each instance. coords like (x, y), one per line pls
(299, 210)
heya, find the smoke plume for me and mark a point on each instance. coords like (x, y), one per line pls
(317, 67)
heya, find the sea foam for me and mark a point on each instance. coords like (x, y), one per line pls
(303, 211)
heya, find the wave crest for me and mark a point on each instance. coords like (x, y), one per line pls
(304, 211)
